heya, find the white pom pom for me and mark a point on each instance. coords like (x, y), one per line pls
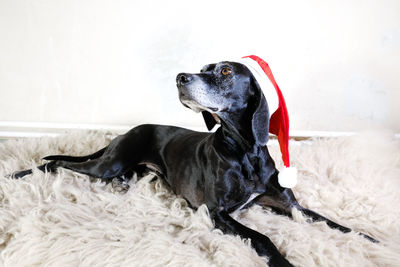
(287, 177)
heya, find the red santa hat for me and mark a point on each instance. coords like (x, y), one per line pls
(279, 117)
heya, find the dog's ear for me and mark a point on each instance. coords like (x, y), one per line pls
(209, 120)
(260, 118)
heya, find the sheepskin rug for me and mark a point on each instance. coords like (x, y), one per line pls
(69, 219)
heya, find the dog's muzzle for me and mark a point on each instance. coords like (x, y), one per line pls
(192, 93)
(183, 79)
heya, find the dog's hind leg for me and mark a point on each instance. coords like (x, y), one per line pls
(282, 201)
(123, 154)
(51, 166)
(105, 169)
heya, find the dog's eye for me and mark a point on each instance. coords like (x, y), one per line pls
(226, 71)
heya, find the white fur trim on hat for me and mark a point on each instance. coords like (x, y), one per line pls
(263, 81)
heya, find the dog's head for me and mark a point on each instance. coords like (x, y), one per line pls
(229, 93)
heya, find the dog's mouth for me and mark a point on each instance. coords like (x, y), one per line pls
(194, 105)
(189, 101)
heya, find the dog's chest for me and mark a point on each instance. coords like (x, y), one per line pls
(250, 170)
(235, 213)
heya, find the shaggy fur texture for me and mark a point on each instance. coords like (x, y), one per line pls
(66, 219)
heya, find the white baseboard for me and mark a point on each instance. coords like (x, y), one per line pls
(10, 130)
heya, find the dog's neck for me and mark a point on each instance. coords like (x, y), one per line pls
(237, 130)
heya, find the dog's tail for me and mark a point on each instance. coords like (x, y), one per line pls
(95, 155)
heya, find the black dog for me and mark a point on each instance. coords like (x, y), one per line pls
(227, 170)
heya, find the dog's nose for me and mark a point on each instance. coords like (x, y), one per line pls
(183, 78)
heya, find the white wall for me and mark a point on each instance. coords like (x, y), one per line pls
(115, 62)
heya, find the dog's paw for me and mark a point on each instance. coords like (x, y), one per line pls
(120, 185)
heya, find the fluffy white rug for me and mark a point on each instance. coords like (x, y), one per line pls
(66, 219)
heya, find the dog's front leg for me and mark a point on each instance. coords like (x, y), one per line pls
(282, 201)
(319, 218)
(261, 243)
